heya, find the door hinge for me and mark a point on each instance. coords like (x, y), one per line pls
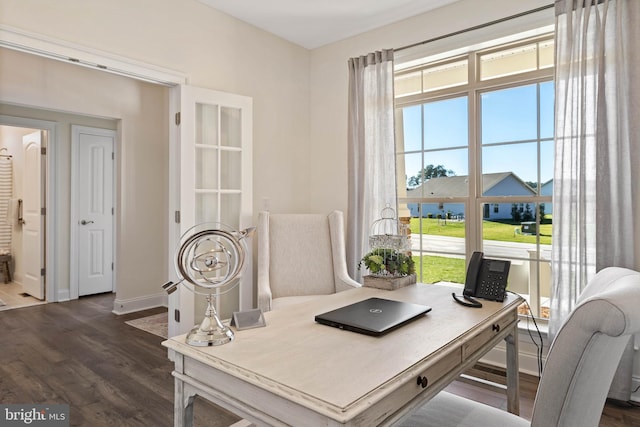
(111, 266)
(43, 211)
(176, 315)
(42, 272)
(112, 211)
(113, 155)
(43, 151)
(177, 217)
(178, 118)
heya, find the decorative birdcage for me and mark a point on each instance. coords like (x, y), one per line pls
(388, 233)
(390, 248)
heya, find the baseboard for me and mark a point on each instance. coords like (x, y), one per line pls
(124, 306)
(63, 295)
(528, 363)
(635, 386)
(527, 354)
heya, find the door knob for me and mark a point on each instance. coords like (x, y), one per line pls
(85, 222)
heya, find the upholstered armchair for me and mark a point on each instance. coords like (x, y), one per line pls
(300, 256)
(579, 369)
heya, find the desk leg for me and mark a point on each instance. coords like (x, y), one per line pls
(513, 376)
(182, 400)
(183, 407)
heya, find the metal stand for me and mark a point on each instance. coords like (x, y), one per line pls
(211, 331)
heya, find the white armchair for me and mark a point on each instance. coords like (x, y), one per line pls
(300, 256)
(581, 363)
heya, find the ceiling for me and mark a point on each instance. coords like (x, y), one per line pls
(314, 23)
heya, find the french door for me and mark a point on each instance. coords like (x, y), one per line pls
(211, 182)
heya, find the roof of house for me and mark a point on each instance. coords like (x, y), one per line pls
(456, 186)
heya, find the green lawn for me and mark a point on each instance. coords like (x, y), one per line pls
(436, 269)
(491, 230)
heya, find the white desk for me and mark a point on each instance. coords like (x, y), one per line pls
(297, 372)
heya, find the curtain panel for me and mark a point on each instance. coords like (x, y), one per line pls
(371, 149)
(597, 150)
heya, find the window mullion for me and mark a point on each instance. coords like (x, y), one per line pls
(474, 227)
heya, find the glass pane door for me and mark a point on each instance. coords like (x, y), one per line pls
(218, 177)
(215, 183)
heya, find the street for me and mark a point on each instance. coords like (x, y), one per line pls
(491, 248)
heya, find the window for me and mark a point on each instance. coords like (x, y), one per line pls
(474, 137)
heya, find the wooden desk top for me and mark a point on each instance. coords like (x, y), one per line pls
(336, 371)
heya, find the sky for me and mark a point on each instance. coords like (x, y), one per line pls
(507, 116)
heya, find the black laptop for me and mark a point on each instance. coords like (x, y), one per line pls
(373, 316)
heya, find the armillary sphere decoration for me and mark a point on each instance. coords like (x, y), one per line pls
(209, 260)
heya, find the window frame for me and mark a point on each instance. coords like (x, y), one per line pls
(473, 89)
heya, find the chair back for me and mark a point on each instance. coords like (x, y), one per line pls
(300, 255)
(586, 351)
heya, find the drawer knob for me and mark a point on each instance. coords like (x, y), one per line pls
(496, 327)
(423, 381)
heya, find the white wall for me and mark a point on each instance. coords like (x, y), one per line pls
(329, 84)
(214, 51)
(141, 157)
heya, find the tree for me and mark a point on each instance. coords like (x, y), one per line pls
(541, 212)
(528, 214)
(430, 171)
(515, 213)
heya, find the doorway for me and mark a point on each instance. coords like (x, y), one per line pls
(23, 186)
(137, 111)
(55, 192)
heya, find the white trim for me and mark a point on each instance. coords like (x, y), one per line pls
(527, 353)
(526, 26)
(635, 385)
(62, 50)
(173, 186)
(51, 291)
(63, 295)
(124, 306)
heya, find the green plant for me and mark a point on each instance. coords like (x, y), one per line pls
(385, 262)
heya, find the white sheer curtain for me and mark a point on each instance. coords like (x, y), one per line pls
(372, 177)
(597, 153)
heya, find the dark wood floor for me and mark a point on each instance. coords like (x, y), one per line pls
(81, 354)
(110, 373)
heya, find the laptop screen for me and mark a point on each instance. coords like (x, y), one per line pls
(373, 316)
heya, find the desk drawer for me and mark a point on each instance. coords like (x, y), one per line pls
(481, 338)
(439, 369)
(424, 380)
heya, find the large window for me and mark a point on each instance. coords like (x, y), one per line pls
(474, 137)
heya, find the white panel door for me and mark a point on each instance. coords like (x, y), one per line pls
(33, 220)
(215, 185)
(94, 209)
